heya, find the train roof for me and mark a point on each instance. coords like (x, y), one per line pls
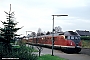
(67, 33)
(70, 33)
(49, 35)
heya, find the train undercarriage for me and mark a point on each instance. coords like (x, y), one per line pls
(63, 49)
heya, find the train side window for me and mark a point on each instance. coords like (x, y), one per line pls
(66, 37)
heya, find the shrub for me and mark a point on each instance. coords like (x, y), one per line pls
(86, 43)
(21, 52)
(85, 37)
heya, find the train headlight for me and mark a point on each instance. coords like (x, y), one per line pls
(71, 43)
(42, 38)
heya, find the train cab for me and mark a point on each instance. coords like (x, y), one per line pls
(73, 41)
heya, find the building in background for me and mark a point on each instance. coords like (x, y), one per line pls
(83, 32)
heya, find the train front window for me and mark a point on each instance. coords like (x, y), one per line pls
(72, 37)
(75, 37)
(78, 37)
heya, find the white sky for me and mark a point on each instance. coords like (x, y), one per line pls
(34, 14)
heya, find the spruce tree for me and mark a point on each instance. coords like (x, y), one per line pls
(8, 34)
(9, 30)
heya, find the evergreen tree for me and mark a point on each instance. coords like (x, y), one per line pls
(8, 34)
(9, 30)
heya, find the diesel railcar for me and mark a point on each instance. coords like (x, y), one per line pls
(68, 41)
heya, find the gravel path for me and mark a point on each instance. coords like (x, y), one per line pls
(85, 51)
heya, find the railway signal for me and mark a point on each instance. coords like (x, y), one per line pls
(53, 31)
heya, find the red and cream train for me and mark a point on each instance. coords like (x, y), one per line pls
(68, 41)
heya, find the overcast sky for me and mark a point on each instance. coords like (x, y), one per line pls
(34, 14)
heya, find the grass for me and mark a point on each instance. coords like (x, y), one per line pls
(49, 57)
(86, 43)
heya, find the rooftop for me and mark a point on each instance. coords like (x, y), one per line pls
(83, 32)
